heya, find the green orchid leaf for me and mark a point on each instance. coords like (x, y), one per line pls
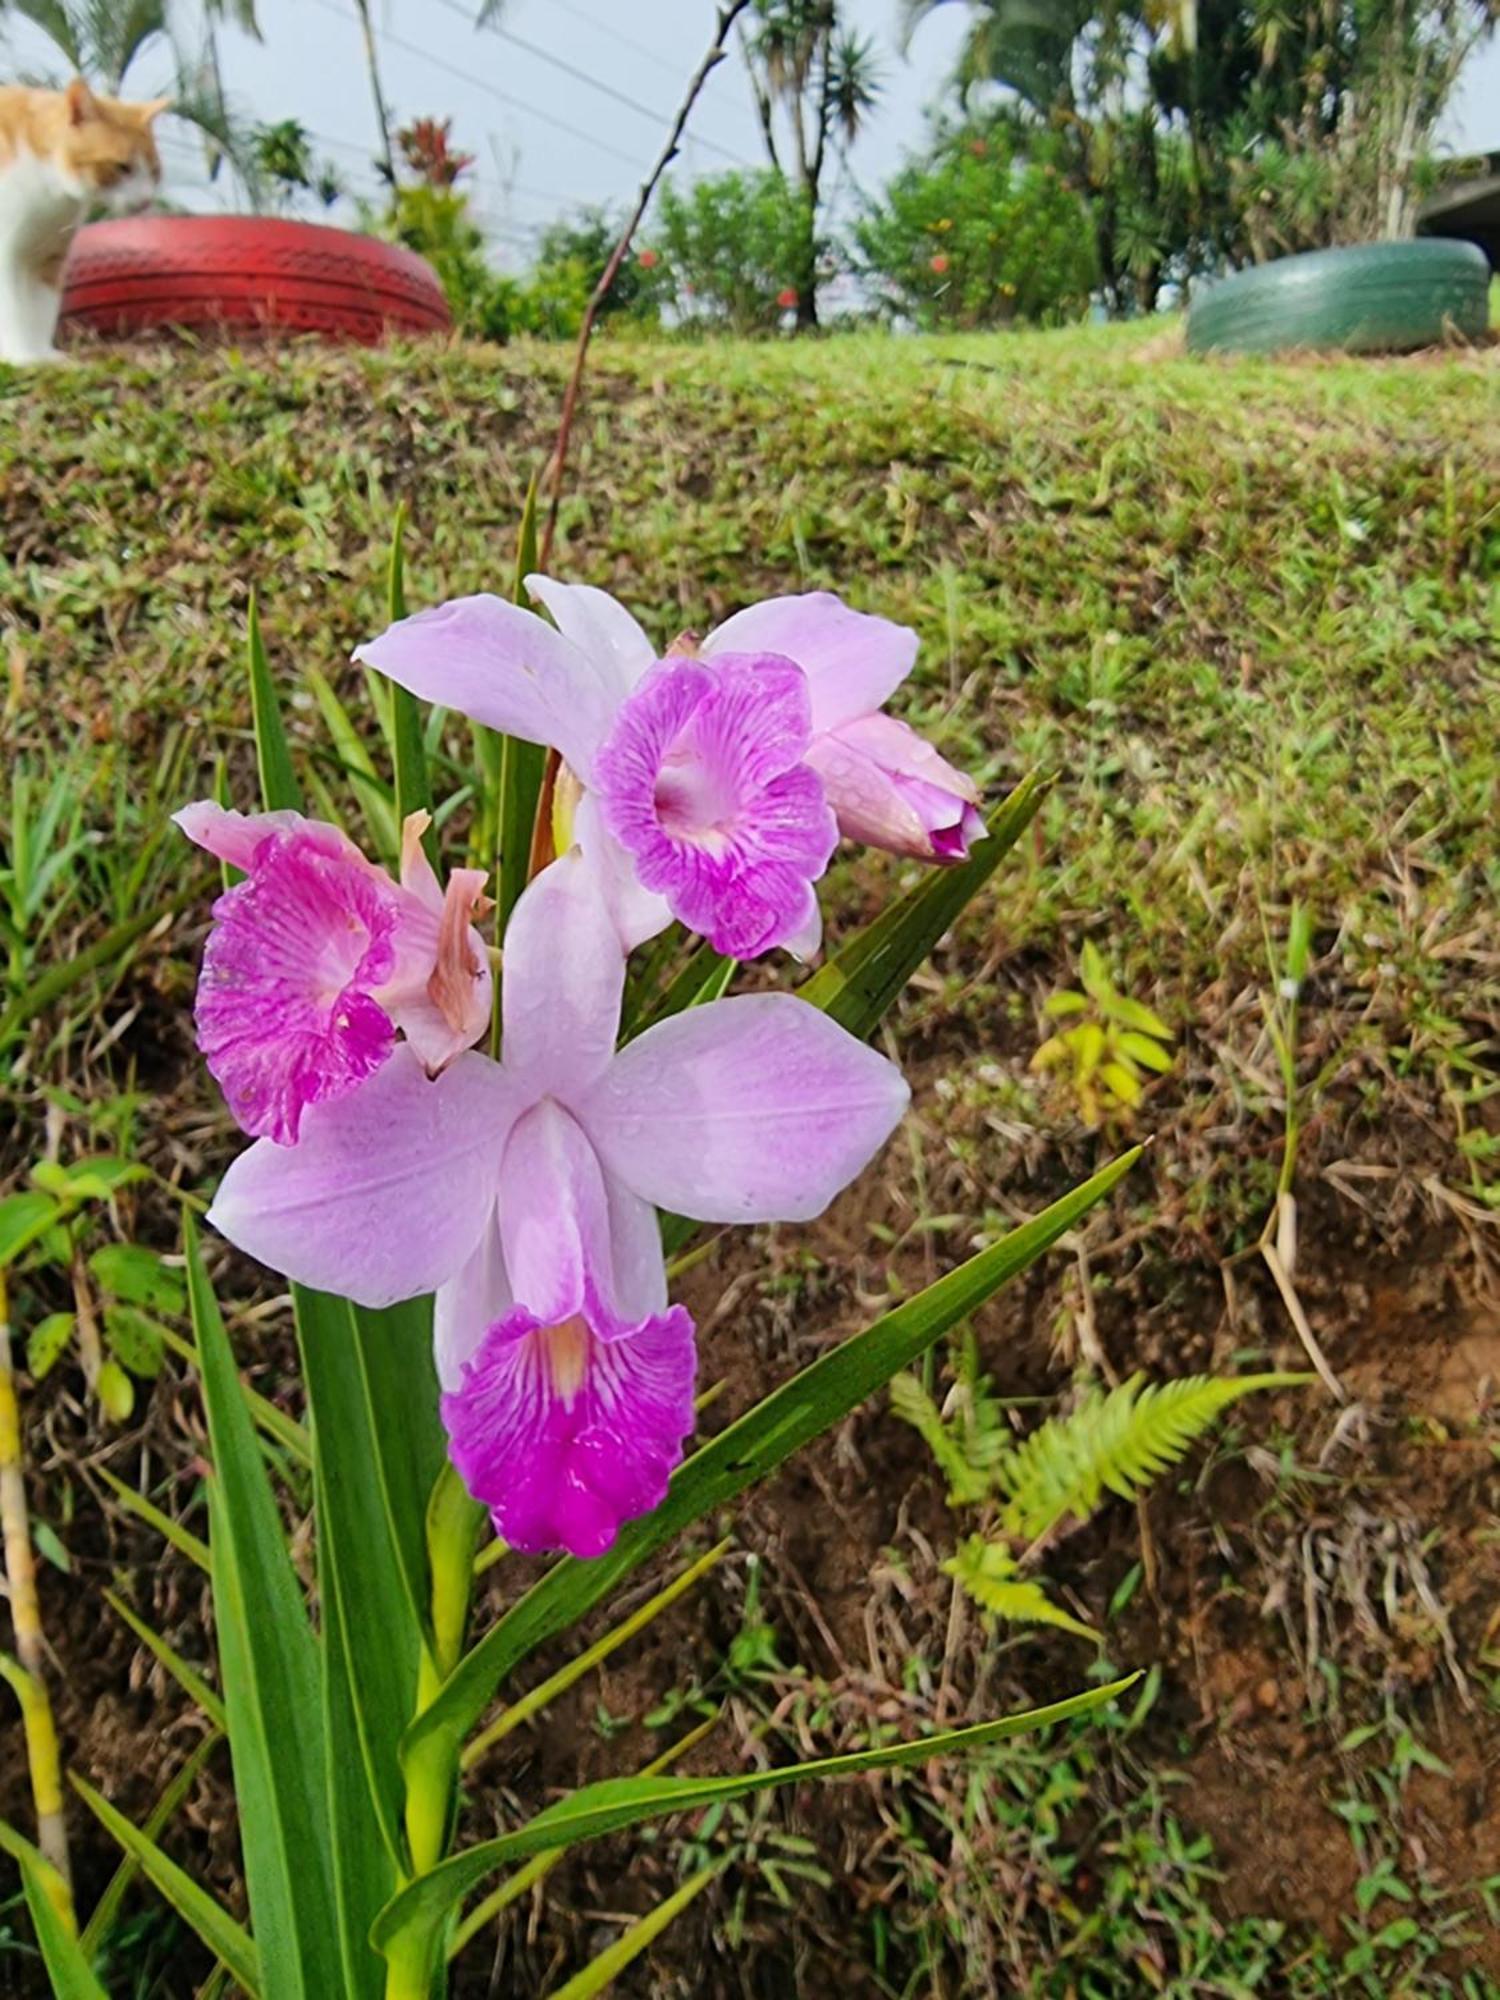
(269, 1667)
(620, 1802)
(811, 1402)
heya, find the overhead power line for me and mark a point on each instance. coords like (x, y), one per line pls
(500, 96)
(659, 119)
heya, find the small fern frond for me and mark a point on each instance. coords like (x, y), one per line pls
(911, 1402)
(1121, 1442)
(988, 1573)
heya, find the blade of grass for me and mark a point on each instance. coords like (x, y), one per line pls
(101, 1921)
(603, 1971)
(522, 765)
(364, 1875)
(359, 1562)
(557, 1684)
(62, 977)
(820, 1396)
(207, 1919)
(187, 1678)
(182, 1539)
(859, 983)
(278, 781)
(542, 1864)
(269, 1418)
(374, 795)
(408, 750)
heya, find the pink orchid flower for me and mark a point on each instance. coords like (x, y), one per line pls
(524, 1193)
(317, 958)
(714, 782)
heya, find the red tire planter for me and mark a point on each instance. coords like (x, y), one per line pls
(247, 275)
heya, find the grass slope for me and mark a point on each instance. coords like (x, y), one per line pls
(1248, 612)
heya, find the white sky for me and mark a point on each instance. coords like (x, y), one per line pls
(547, 140)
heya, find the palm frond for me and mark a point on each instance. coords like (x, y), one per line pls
(988, 1572)
(1119, 1442)
(58, 24)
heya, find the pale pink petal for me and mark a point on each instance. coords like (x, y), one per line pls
(753, 1109)
(889, 788)
(467, 1305)
(502, 666)
(598, 625)
(417, 873)
(565, 1436)
(564, 975)
(854, 662)
(571, 1408)
(557, 1229)
(441, 997)
(386, 1193)
(238, 837)
(638, 912)
(806, 940)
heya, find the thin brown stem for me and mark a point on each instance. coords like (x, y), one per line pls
(729, 13)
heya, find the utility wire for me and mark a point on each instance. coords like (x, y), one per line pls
(512, 103)
(657, 118)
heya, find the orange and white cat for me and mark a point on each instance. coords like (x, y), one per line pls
(62, 153)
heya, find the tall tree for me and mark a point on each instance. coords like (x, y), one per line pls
(821, 77)
(1206, 131)
(377, 90)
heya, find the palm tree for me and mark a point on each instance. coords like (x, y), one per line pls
(1031, 45)
(102, 40)
(823, 78)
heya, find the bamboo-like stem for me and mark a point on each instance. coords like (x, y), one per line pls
(29, 1678)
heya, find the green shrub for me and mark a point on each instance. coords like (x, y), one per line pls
(728, 250)
(436, 223)
(976, 234)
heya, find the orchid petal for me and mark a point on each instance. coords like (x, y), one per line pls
(702, 781)
(565, 1436)
(502, 666)
(853, 661)
(554, 1216)
(389, 1188)
(638, 912)
(563, 981)
(467, 1305)
(598, 625)
(753, 1109)
(890, 788)
(237, 837)
(442, 997)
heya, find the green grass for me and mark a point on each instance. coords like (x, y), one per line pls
(1247, 612)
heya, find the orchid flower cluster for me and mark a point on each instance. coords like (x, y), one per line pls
(339, 1010)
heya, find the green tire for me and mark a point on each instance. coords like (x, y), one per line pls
(1377, 298)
